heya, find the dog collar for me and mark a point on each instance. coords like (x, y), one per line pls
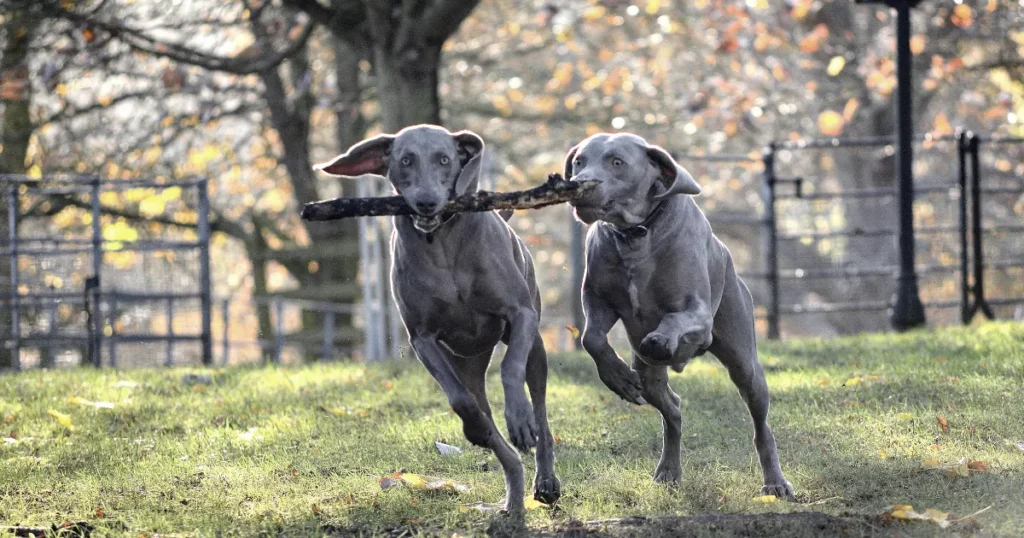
(640, 230)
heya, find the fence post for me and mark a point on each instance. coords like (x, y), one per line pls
(12, 223)
(169, 360)
(977, 231)
(112, 319)
(965, 300)
(769, 239)
(327, 349)
(278, 329)
(49, 358)
(204, 270)
(95, 283)
(225, 312)
(578, 267)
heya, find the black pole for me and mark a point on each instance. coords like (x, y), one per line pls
(907, 311)
(770, 241)
(977, 230)
(965, 299)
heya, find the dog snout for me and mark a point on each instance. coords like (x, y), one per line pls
(426, 208)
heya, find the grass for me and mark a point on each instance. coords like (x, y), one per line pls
(254, 453)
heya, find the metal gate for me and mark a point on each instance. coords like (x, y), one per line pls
(98, 275)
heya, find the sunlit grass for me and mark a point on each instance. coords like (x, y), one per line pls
(254, 451)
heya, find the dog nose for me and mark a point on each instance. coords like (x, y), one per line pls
(426, 207)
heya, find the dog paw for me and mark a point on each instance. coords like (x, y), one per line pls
(668, 474)
(782, 491)
(522, 427)
(623, 381)
(546, 489)
(658, 348)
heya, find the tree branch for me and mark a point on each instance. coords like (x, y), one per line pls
(555, 191)
(180, 53)
(443, 19)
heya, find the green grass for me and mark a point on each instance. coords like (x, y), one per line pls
(253, 452)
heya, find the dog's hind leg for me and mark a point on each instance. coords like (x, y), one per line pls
(477, 425)
(657, 393)
(546, 487)
(735, 347)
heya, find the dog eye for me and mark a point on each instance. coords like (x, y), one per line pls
(444, 160)
(577, 162)
(406, 161)
(617, 162)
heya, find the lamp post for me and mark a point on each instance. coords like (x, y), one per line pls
(907, 310)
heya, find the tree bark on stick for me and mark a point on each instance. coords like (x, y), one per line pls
(555, 191)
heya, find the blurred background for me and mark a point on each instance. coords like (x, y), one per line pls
(168, 146)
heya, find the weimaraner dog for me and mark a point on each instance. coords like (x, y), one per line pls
(653, 262)
(463, 282)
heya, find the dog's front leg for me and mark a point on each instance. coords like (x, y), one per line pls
(476, 425)
(519, 415)
(614, 373)
(690, 327)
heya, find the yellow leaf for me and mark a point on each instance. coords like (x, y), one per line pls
(852, 381)
(767, 499)
(334, 410)
(831, 123)
(152, 206)
(533, 504)
(87, 403)
(931, 463)
(35, 172)
(414, 481)
(904, 417)
(573, 330)
(836, 65)
(65, 420)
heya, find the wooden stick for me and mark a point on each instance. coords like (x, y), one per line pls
(555, 191)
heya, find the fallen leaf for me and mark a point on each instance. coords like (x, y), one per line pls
(767, 499)
(976, 465)
(931, 463)
(420, 482)
(573, 330)
(823, 382)
(943, 424)
(316, 510)
(65, 420)
(100, 512)
(334, 410)
(906, 512)
(852, 381)
(447, 450)
(532, 504)
(87, 403)
(904, 417)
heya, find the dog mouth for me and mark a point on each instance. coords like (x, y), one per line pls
(426, 224)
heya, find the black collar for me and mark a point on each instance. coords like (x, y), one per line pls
(640, 230)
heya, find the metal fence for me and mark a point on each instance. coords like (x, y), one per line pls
(87, 286)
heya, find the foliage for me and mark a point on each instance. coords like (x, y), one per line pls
(254, 452)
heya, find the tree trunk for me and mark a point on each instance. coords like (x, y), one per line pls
(17, 129)
(407, 84)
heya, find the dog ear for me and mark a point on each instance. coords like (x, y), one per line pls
(675, 178)
(367, 157)
(471, 154)
(569, 157)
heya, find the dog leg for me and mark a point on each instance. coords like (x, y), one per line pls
(477, 425)
(614, 373)
(546, 487)
(736, 349)
(519, 415)
(691, 327)
(658, 393)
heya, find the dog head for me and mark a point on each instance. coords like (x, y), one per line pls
(633, 177)
(426, 164)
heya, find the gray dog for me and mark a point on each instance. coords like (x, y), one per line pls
(463, 282)
(653, 262)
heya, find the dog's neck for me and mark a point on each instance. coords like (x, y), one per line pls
(633, 233)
